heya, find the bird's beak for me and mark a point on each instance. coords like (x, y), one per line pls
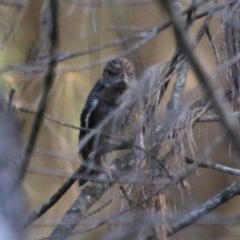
(126, 80)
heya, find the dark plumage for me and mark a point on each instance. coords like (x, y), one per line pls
(117, 77)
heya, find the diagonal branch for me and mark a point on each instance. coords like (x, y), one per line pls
(88, 197)
(210, 205)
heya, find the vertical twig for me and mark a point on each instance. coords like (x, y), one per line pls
(10, 99)
(48, 82)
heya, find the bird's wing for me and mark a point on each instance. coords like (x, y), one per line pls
(87, 115)
(86, 118)
(88, 111)
(91, 104)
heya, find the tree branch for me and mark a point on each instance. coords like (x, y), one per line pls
(49, 78)
(88, 197)
(210, 205)
(215, 166)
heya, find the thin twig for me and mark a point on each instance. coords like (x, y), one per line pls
(104, 205)
(215, 166)
(215, 118)
(48, 171)
(125, 196)
(16, 3)
(48, 117)
(213, 44)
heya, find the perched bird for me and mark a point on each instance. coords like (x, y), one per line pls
(106, 95)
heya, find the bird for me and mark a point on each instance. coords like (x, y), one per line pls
(106, 96)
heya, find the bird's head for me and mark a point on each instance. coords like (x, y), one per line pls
(120, 72)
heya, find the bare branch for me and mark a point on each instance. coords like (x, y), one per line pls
(215, 166)
(89, 196)
(49, 78)
(65, 187)
(207, 207)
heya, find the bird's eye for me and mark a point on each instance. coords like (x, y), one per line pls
(130, 74)
(108, 72)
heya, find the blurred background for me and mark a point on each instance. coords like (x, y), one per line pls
(91, 33)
